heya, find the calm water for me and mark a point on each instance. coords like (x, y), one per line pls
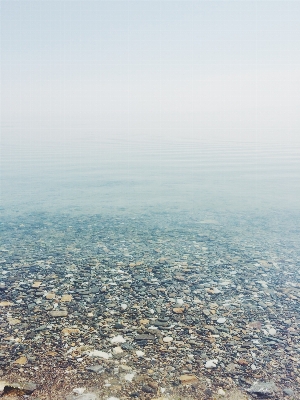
(110, 176)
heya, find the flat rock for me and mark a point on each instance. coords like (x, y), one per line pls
(144, 336)
(50, 296)
(263, 388)
(288, 391)
(13, 321)
(95, 368)
(84, 396)
(188, 379)
(26, 387)
(101, 354)
(58, 313)
(5, 303)
(69, 331)
(178, 310)
(66, 298)
(21, 361)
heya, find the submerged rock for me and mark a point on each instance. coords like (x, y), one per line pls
(263, 388)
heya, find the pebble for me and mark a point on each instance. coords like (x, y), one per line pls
(95, 368)
(188, 379)
(288, 392)
(263, 388)
(58, 313)
(167, 339)
(118, 339)
(221, 320)
(272, 331)
(117, 350)
(211, 363)
(129, 377)
(79, 390)
(101, 354)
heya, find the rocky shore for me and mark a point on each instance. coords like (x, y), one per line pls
(156, 306)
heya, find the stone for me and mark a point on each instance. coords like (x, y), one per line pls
(147, 389)
(188, 379)
(144, 321)
(167, 339)
(101, 354)
(26, 387)
(118, 339)
(95, 368)
(79, 390)
(221, 320)
(144, 336)
(62, 313)
(263, 388)
(36, 284)
(84, 396)
(129, 377)
(178, 310)
(66, 298)
(6, 303)
(50, 296)
(70, 331)
(117, 350)
(211, 363)
(272, 331)
(13, 321)
(288, 391)
(139, 353)
(21, 361)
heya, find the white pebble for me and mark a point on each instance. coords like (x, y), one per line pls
(102, 354)
(221, 320)
(180, 302)
(253, 367)
(129, 377)
(221, 392)
(118, 339)
(123, 306)
(211, 363)
(79, 390)
(272, 331)
(117, 350)
(139, 353)
(167, 339)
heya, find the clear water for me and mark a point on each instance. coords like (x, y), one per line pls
(93, 175)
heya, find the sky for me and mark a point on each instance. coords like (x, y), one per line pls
(220, 70)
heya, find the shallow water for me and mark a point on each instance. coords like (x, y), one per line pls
(208, 230)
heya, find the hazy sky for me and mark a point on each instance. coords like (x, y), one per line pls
(223, 69)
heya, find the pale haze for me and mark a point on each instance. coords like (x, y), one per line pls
(172, 69)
